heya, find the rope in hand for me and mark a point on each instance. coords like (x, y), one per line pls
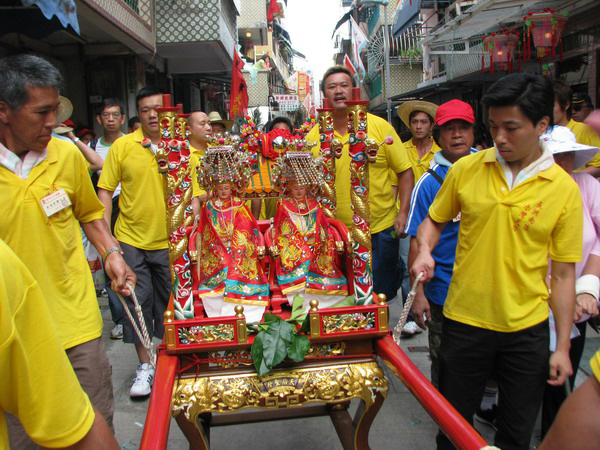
(143, 333)
(409, 301)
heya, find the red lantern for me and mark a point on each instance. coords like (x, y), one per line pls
(501, 48)
(546, 28)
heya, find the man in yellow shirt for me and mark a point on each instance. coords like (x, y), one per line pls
(418, 116)
(200, 131)
(337, 87)
(45, 194)
(141, 227)
(517, 210)
(39, 386)
(583, 132)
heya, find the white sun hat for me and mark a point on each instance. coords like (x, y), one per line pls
(562, 140)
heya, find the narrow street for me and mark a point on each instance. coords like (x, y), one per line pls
(401, 423)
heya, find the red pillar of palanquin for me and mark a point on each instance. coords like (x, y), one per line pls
(360, 154)
(173, 156)
(329, 148)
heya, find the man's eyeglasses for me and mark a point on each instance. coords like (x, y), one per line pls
(106, 115)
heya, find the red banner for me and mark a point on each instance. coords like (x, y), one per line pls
(238, 105)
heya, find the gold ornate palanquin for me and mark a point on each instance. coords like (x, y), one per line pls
(205, 375)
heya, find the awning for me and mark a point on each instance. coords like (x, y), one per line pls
(406, 16)
(64, 10)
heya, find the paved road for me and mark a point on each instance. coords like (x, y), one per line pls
(401, 422)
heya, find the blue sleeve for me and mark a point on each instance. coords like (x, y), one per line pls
(420, 200)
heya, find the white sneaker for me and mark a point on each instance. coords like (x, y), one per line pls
(142, 385)
(410, 329)
(117, 332)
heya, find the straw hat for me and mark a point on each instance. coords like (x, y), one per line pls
(65, 109)
(65, 127)
(406, 108)
(562, 140)
(215, 117)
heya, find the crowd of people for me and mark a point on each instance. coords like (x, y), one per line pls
(504, 240)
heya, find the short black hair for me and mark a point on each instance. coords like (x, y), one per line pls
(280, 119)
(147, 91)
(414, 113)
(109, 103)
(337, 69)
(562, 94)
(532, 93)
(20, 72)
(131, 122)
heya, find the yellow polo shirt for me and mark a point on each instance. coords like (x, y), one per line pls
(595, 363)
(195, 155)
(505, 239)
(586, 135)
(38, 383)
(420, 165)
(381, 194)
(142, 221)
(51, 247)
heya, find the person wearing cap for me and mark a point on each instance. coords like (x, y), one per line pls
(386, 220)
(418, 116)
(86, 135)
(518, 208)
(581, 106)
(218, 124)
(583, 133)
(140, 228)
(45, 194)
(456, 122)
(200, 132)
(570, 156)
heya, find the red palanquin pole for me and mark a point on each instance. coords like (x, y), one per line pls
(329, 147)
(359, 198)
(173, 156)
(458, 430)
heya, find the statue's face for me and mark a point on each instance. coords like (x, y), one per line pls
(223, 191)
(297, 191)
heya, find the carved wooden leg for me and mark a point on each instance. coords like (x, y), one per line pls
(198, 437)
(342, 421)
(362, 422)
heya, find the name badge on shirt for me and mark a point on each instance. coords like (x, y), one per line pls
(55, 202)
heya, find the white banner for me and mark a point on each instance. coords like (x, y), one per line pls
(287, 102)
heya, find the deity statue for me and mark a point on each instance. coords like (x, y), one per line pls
(229, 243)
(308, 262)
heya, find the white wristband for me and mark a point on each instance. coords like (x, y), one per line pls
(75, 140)
(588, 284)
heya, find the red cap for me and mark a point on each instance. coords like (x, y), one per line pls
(454, 109)
(69, 123)
(85, 131)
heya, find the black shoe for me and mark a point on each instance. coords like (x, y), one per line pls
(487, 416)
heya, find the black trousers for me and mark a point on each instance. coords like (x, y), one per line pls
(469, 356)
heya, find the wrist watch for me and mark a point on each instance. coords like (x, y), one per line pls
(109, 251)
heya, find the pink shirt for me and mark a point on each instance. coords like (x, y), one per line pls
(590, 195)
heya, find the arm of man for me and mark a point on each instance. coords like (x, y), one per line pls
(586, 303)
(98, 438)
(406, 182)
(562, 303)
(95, 160)
(428, 236)
(98, 232)
(106, 198)
(420, 304)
